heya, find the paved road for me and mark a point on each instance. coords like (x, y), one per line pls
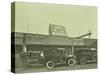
(57, 68)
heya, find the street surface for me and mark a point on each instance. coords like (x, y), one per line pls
(56, 68)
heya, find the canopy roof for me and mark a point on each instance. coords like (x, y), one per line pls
(39, 39)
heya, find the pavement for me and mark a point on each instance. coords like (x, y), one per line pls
(56, 68)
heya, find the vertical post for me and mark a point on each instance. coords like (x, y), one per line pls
(28, 23)
(72, 47)
(89, 34)
(24, 44)
(50, 29)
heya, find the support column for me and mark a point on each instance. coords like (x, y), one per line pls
(24, 44)
(72, 47)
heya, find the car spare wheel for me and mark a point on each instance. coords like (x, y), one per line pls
(50, 64)
(71, 62)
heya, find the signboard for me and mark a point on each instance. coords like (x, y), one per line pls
(78, 42)
(57, 30)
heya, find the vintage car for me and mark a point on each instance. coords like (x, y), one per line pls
(48, 57)
(85, 55)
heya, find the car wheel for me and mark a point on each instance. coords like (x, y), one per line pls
(50, 64)
(83, 60)
(71, 62)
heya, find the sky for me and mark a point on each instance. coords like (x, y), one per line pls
(36, 17)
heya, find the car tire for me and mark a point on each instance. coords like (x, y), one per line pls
(50, 64)
(71, 62)
(83, 61)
